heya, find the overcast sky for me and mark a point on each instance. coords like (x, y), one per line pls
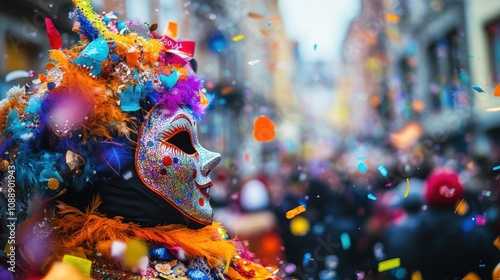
(318, 22)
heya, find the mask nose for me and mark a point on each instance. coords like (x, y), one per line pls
(208, 160)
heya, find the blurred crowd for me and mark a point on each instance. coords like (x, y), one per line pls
(421, 217)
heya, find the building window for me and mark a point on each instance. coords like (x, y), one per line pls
(493, 31)
(445, 71)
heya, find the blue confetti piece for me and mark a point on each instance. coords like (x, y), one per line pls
(362, 167)
(315, 46)
(345, 240)
(372, 197)
(470, 56)
(496, 168)
(307, 259)
(477, 88)
(383, 170)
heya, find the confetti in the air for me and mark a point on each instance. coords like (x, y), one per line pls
(299, 226)
(389, 264)
(315, 46)
(263, 129)
(362, 167)
(83, 265)
(16, 74)
(255, 16)
(295, 211)
(345, 240)
(497, 90)
(372, 197)
(238, 37)
(383, 170)
(496, 168)
(477, 88)
(495, 109)
(459, 204)
(407, 191)
(392, 18)
(253, 62)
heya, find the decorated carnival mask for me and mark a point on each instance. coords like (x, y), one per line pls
(172, 163)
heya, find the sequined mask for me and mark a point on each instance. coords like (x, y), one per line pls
(172, 163)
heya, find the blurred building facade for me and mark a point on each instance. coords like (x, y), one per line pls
(483, 31)
(413, 58)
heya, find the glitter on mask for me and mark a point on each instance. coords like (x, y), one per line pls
(175, 183)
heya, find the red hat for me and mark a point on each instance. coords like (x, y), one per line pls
(443, 188)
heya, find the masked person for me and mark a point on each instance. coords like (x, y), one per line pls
(110, 174)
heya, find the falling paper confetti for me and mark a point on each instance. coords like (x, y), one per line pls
(477, 88)
(392, 17)
(497, 91)
(263, 129)
(407, 187)
(238, 37)
(255, 16)
(362, 167)
(295, 211)
(83, 265)
(315, 46)
(299, 226)
(458, 206)
(389, 264)
(253, 62)
(372, 197)
(16, 74)
(496, 168)
(480, 220)
(383, 170)
(495, 109)
(345, 240)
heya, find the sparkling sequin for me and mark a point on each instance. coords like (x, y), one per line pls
(153, 148)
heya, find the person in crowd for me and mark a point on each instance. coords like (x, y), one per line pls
(441, 244)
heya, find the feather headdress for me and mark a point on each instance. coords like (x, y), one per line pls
(80, 118)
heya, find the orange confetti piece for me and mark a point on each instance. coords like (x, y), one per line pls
(263, 129)
(497, 91)
(238, 37)
(226, 90)
(459, 204)
(255, 16)
(416, 275)
(295, 211)
(172, 30)
(274, 19)
(496, 242)
(263, 32)
(375, 101)
(418, 106)
(471, 276)
(392, 17)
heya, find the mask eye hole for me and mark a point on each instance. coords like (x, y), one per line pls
(182, 140)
